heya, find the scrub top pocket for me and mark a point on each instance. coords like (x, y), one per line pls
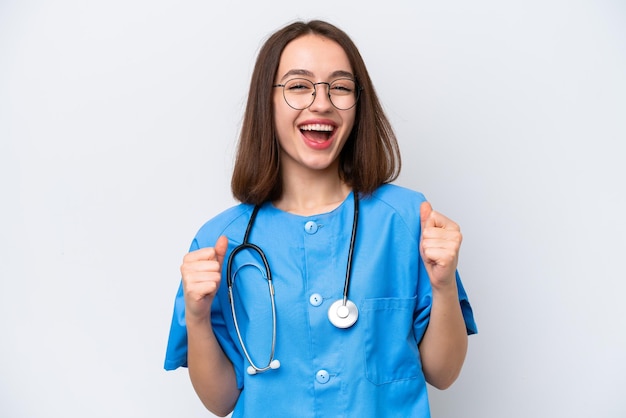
(391, 352)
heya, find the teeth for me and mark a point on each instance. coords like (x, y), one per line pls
(316, 127)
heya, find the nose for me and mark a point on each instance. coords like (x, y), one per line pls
(321, 99)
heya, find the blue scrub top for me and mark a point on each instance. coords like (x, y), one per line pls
(372, 369)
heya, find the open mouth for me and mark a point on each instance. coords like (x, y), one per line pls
(317, 132)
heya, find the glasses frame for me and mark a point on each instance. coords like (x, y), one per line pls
(330, 97)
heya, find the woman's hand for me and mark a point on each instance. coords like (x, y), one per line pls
(202, 273)
(439, 247)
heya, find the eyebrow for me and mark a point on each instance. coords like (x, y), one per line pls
(307, 73)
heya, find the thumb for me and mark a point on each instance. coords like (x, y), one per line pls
(425, 210)
(220, 248)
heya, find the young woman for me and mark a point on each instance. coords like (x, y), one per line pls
(328, 292)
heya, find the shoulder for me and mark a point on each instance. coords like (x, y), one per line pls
(225, 222)
(399, 202)
(398, 198)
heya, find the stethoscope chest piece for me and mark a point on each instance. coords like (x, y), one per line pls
(343, 315)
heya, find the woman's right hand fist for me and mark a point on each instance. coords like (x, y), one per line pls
(202, 272)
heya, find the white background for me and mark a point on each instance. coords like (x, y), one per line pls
(118, 122)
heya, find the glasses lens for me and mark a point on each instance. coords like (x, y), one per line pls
(343, 93)
(299, 93)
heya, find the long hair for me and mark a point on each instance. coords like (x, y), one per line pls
(370, 156)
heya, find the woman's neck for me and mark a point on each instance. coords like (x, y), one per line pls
(312, 195)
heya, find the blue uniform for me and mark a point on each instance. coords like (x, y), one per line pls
(372, 369)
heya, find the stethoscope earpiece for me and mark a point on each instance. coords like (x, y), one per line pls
(252, 370)
(274, 364)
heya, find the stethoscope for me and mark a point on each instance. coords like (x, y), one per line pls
(343, 313)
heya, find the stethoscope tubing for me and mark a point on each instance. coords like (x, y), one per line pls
(230, 282)
(343, 313)
(355, 222)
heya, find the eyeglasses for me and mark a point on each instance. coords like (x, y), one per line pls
(299, 93)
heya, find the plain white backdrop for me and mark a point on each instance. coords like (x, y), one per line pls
(118, 124)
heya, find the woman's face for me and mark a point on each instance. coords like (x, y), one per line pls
(311, 139)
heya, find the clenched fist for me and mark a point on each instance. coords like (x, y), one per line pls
(202, 273)
(439, 247)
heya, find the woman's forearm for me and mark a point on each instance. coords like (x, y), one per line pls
(444, 344)
(211, 372)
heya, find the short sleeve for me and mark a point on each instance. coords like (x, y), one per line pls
(424, 305)
(466, 308)
(176, 352)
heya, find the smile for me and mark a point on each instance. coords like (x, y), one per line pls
(317, 132)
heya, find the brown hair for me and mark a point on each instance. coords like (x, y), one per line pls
(370, 156)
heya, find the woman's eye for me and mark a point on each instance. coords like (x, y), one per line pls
(299, 86)
(343, 87)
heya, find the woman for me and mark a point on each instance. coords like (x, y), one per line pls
(366, 305)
